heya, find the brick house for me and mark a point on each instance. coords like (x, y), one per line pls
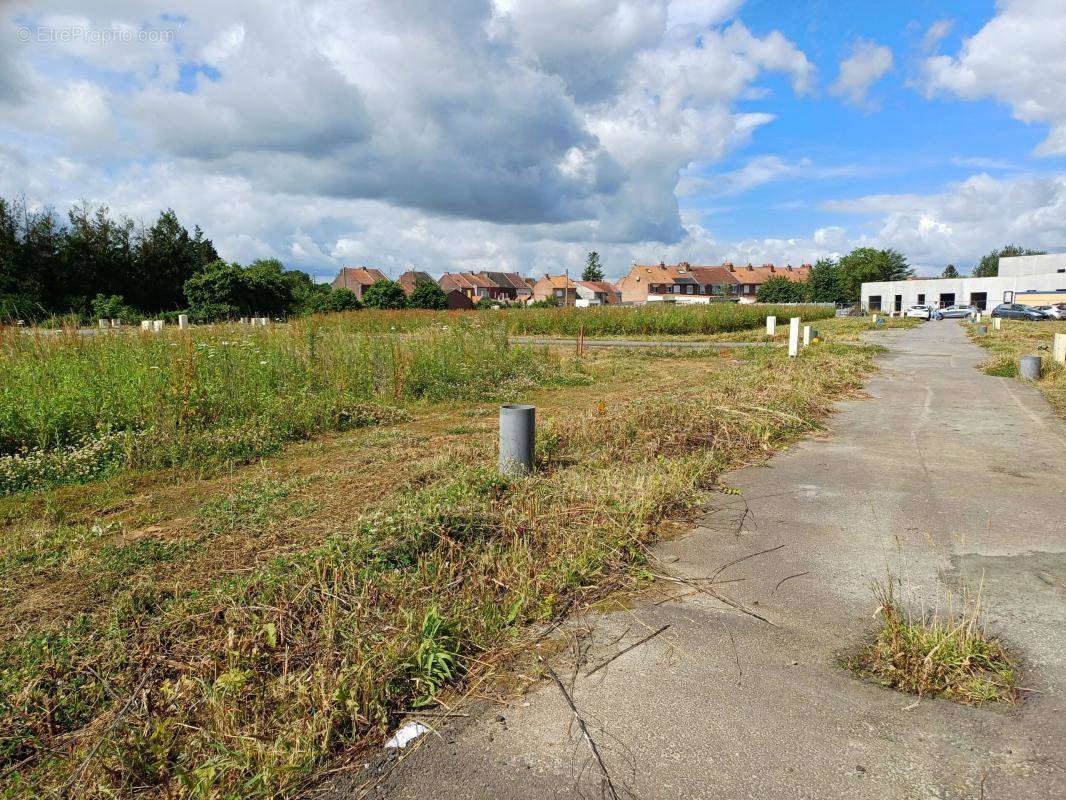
(560, 287)
(598, 293)
(688, 283)
(750, 278)
(413, 277)
(358, 279)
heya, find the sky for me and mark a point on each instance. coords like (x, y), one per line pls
(521, 134)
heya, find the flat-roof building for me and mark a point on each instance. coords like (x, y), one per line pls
(1021, 279)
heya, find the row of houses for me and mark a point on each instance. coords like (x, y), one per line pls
(679, 283)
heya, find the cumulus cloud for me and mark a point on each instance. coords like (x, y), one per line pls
(574, 118)
(867, 64)
(1017, 58)
(967, 221)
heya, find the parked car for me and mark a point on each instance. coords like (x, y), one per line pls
(955, 312)
(921, 312)
(1057, 311)
(1017, 311)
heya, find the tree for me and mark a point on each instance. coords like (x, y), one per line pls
(343, 300)
(216, 292)
(428, 295)
(988, 266)
(867, 264)
(166, 258)
(823, 283)
(111, 307)
(593, 268)
(780, 289)
(384, 294)
(267, 288)
(949, 272)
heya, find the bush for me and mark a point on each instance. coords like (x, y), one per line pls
(780, 289)
(429, 296)
(385, 294)
(344, 300)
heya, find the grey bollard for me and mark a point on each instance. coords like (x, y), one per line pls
(982, 330)
(1029, 368)
(518, 424)
(183, 321)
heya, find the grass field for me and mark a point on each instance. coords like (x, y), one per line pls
(225, 632)
(1016, 339)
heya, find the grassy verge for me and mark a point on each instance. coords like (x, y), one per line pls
(397, 563)
(1016, 339)
(659, 319)
(938, 654)
(74, 408)
(834, 329)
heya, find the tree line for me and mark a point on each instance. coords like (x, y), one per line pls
(838, 280)
(94, 265)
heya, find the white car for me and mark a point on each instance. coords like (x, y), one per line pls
(1057, 311)
(921, 312)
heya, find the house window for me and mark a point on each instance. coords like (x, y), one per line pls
(675, 289)
(558, 292)
(921, 299)
(875, 302)
(689, 289)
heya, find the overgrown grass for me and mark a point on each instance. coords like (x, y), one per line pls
(940, 653)
(651, 319)
(1016, 339)
(74, 407)
(244, 686)
(835, 329)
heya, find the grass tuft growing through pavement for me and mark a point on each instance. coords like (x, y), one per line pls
(939, 654)
(1016, 339)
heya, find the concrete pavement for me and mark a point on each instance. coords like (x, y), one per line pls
(943, 474)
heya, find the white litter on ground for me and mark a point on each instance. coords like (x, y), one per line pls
(407, 734)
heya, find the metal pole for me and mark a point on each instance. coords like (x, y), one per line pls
(517, 436)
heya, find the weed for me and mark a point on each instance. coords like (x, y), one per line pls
(938, 654)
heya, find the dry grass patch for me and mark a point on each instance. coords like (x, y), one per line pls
(245, 683)
(1016, 339)
(942, 653)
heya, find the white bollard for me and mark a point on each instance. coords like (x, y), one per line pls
(157, 325)
(806, 335)
(875, 319)
(771, 326)
(183, 321)
(103, 324)
(244, 320)
(1058, 349)
(116, 323)
(996, 322)
(793, 337)
(146, 324)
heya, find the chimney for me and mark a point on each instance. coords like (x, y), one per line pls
(662, 265)
(750, 267)
(729, 265)
(788, 267)
(772, 268)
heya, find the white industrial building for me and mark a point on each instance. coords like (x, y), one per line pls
(1032, 280)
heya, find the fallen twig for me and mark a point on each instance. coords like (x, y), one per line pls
(607, 783)
(745, 558)
(638, 643)
(788, 578)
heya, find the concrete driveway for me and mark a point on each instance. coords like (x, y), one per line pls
(944, 474)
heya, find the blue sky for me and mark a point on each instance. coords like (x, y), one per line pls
(519, 134)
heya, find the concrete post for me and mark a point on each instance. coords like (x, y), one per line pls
(997, 323)
(146, 324)
(116, 323)
(518, 425)
(1058, 349)
(771, 326)
(104, 324)
(875, 319)
(806, 335)
(244, 320)
(157, 325)
(183, 321)
(1029, 368)
(793, 337)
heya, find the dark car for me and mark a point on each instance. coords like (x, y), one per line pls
(1017, 311)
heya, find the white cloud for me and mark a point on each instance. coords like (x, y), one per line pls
(1018, 59)
(867, 64)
